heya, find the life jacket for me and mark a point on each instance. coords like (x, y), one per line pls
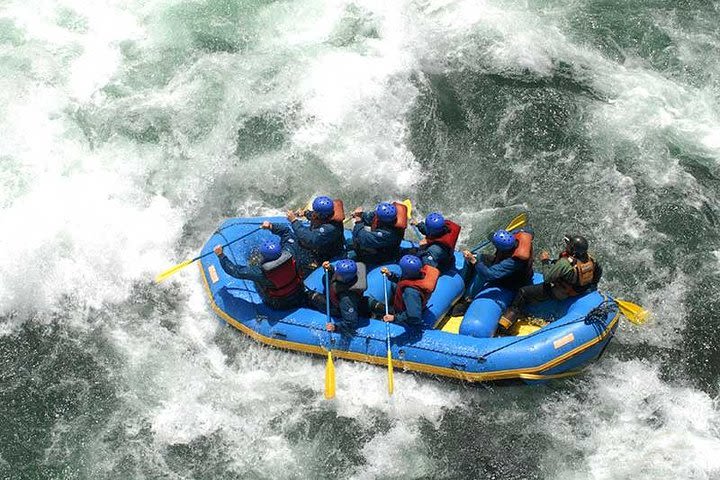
(425, 285)
(523, 252)
(283, 274)
(338, 286)
(449, 238)
(583, 277)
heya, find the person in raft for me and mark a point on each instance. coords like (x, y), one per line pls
(377, 235)
(411, 291)
(510, 267)
(278, 277)
(348, 282)
(323, 239)
(437, 249)
(573, 273)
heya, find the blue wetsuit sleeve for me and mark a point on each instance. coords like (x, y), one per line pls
(317, 237)
(393, 278)
(367, 218)
(421, 228)
(250, 272)
(499, 270)
(413, 308)
(434, 255)
(380, 238)
(284, 232)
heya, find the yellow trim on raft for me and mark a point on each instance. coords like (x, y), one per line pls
(533, 373)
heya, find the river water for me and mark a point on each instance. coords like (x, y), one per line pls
(130, 129)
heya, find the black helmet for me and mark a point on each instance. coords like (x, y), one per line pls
(576, 245)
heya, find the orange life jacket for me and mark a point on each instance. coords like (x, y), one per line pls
(523, 252)
(425, 285)
(449, 238)
(283, 274)
(401, 220)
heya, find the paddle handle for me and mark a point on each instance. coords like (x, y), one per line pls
(327, 296)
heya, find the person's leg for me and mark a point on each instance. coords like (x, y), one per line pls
(525, 296)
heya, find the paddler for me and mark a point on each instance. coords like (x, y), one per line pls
(437, 249)
(377, 235)
(410, 291)
(510, 267)
(348, 282)
(573, 273)
(323, 239)
(278, 277)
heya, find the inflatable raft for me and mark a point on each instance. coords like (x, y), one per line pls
(561, 339)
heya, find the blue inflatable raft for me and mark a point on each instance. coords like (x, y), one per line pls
(561, 339)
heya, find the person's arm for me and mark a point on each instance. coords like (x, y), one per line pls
(379, 238)
(597, 275)
(283, 231)
(413, 308)
(250, 272)
(499, 270)
(318, 237)
(421, 228)
(559, 270)
(434, 255)
(367, 217)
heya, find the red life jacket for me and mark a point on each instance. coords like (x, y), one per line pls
(425, 285)
(359, 286)
(401, 220)
(283, 274)
(338, 215)
(523, 252)
(449, 238)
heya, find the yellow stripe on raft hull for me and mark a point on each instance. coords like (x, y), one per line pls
(534, 373)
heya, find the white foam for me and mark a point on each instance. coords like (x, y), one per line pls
(633, 424)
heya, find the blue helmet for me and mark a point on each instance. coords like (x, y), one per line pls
(346, 269)
(410, 265)
(323, 206)
(270, 250)
(386, 212)
(435, 223)
(503, 240)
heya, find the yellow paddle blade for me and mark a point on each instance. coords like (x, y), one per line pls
(408, 204)
(517, 222)
(170, 271)
(391, 378)
(633, 312)
(329, 377)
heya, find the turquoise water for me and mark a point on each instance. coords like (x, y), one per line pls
(129, 130)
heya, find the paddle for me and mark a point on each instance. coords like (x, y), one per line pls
(518, 222)
(172, 270)
(391, 379)
(329, 365)
(633, 312)
(409, 206)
